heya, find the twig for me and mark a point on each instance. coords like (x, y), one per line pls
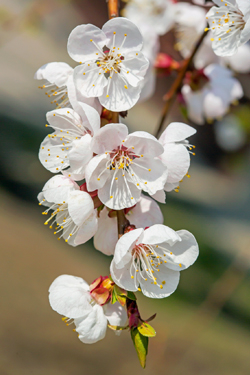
(115, 117)
(113, 8)
(122, 222)
(170, 96)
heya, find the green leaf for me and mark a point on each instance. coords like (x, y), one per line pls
(131, 295)
(113, 297)
(121, 299)
(117, 328)
(145, 329)
(120, 291)
(141, 346)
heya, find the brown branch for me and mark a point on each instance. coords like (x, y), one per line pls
(113, 8)
(122, 222)
(170, 96)
(115, 117)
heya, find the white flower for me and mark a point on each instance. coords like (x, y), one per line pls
(71, 296)
(230, 25)
(70, 144)
(144, 214)
(213, 100)
(203, 2)
(158, 15)
(60, 87)
(124, 166)
(190, 22)
(177, 152)
(240, 62)
(73, 210)
(112, 64)
(150, 260)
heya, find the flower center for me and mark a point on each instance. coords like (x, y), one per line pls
(147, 260)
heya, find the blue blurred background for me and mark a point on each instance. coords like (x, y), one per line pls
(204, 327)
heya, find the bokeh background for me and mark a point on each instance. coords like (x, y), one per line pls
(204, 327)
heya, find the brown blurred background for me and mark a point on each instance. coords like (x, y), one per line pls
(204, 328)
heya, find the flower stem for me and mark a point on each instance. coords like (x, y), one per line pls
(122, 222)
(115, 117)
(113, 8)
(170, 96)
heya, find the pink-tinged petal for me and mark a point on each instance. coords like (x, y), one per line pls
(176, 132)
(124, 247)
(177, 160)
(106, 236)
(87, 230)
(119, 96)
(121, 26)
(158, 234)
(57, 189)
(184, 253)
(92, 328)
(150, 175)
(169, 280)
(80, 46)
(52, 153)
(76, 98)
(69, 296)
(160, 196)
(169, 187)
(120, 193)
(80, 206)
(96, 172)
(80, 153)
(90, 80)
(65, 119)
(134, 67)
(55, 72)
(216, 103)
(116, 314)
(109, 137)
(145, 213)
(122, 278)
(144, 143)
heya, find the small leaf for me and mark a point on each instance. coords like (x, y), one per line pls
(151, 318)
(113, 297)
(131, 295)
(141, 346)
(117, 328)
(120, 291)
(121, 299)
(146, 330)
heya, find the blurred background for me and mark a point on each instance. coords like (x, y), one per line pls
(204, 327)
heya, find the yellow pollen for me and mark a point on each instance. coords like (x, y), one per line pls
(111, 196)
(125, 34)
(145, 183)
(212, 39)
(116, 178)
(139, 289)
(114, 32)
(163, 282)
(155, 282)
(132, 277)
(107, 96)
(132, 198)
(141, 156)
(98, 179)
(180, 265)
(161, 286)
(66, 240)
(84, 74)
(91, 40)
(125, 86)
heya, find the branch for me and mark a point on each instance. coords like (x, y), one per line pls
(113, 8)
(170, 96)
(122, 222)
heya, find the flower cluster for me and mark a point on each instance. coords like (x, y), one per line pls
(107, 178)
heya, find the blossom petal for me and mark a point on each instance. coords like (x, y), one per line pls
(122, 278)
(119, 96)
(90, 117)
(176, 132)
(106, 236)
(80, 206)
(158, 234)
(52, 153)
(177, 159)
(87, 230)
(96, 172)
(144, 143)
(57, 189)
(80, 47)
(55, 72)
(170, 186)
(160, 196)
(109, 137)
(169, 279)
(124, 247)
(145, 213)
(92, 327)
(194, 102)
(115, 30)
(88, 81)
(69, 296)
(115, 314)
(134, 67)
(80, 154)
(65, 119)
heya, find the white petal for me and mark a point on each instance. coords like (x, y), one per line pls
(80, 206)
(106, 236)
(145, 213)
(69, 296)
(115, 314)
(80, 48)
(56, 190)
(88, 81)
(109, 138)
(124, 247)
(177, 159)
(87, 230)
(194, 102)
(176, 132)
(160, 196)
(90, 117)
(134, 67)
(119, 98)
(55, 72)
(167, 278)
(80, 154)
(240, 62)
(122, 278)
(95, 179)
(52, 153)
(92, 328)
(122, 26)
(144, 143)
(158, 234)
(169, 187)
(65, 119)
